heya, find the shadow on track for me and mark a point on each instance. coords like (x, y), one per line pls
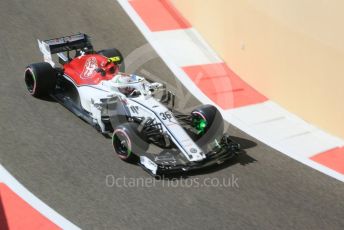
(46, 98)
(244, 143)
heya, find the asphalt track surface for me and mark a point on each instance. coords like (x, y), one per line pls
(64, 161)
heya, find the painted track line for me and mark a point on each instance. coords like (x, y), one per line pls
(34, 202)
(182, 48)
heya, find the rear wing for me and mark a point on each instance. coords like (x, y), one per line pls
(63, 44)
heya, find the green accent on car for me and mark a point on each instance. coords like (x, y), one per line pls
(200, 124)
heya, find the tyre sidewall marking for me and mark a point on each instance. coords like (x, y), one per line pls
(129, 143)
(34, 80)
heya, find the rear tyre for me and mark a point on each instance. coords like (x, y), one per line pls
(127, 142)
(208, 122)
(114, 53)
(40, 79)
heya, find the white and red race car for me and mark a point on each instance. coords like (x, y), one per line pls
(145, 127)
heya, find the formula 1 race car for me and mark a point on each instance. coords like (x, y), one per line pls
(140, 114)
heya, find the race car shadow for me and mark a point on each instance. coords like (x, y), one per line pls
(47, 98)
(244, 143)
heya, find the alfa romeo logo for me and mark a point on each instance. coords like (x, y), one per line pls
(89, 67)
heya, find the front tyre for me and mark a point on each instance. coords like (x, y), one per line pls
(40, 79)
(127, 142)
(208, 122)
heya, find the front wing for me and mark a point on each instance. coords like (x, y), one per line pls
(164, 164)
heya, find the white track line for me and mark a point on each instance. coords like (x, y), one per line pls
(277, 127)
(32, 200)
(268, 122)
(186, 47)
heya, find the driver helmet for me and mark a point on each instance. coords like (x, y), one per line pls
(125, 80)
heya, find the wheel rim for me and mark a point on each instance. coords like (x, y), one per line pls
(30, 81)
(121, 144)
